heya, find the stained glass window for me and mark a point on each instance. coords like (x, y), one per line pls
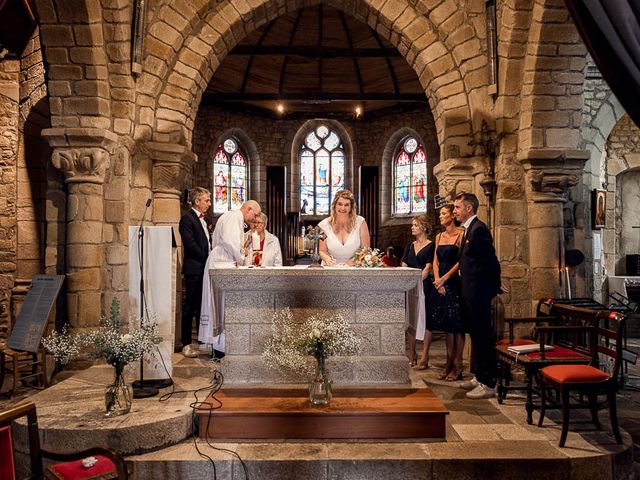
(410, 178)
(230, 176)
(322, 170)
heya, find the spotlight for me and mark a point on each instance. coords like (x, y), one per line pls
(280, 108)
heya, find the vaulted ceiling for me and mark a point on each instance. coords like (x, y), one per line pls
(316, 60)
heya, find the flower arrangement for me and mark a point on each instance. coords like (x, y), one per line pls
(116, 344)
(293, 341)
(367, 257)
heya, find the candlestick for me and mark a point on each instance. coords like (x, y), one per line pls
(255, 241)
(566, 271)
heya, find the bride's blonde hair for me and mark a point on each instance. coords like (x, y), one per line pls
(346, 195)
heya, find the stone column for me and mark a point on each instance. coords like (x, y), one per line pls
(549, 175)
(457, 175)
(83, 154)
(172, 164)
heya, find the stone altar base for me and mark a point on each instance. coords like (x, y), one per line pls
(354, 413)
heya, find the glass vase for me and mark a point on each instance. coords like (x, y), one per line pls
(118, 396)
(320, 391)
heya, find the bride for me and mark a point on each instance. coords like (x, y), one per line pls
(346, 232)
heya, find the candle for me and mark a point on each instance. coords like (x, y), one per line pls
(566, 271)
(256, 241)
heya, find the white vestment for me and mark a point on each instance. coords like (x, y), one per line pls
(227, 252)
(271, 252)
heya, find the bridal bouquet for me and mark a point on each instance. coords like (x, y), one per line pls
(367, 257)
(293, 341)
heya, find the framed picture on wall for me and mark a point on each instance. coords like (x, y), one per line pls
(598, 208)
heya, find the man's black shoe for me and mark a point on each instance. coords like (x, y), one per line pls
(217, 354)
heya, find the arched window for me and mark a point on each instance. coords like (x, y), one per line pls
(230, 167)
(322, 169)
(410, 177)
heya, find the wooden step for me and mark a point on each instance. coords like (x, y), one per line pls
(249, 413)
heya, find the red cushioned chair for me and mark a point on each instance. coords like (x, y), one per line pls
(109, 465)
(590, 381)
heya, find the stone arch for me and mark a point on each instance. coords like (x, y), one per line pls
(175, 84)
(551, 107)
(621, 158)
(257, 169)
(298, 139)
(386, 169)
(78, 84)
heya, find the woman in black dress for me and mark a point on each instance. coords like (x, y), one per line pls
(419, 254)
(443, 312)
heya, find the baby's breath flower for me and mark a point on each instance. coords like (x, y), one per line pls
(320, 336)
(112, 342)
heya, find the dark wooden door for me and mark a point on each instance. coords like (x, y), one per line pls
(369, 199)
(276, 204)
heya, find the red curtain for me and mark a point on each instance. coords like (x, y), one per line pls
(611, 31)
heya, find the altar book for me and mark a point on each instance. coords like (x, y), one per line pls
(534, 347)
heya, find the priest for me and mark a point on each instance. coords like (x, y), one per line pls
(228, 251)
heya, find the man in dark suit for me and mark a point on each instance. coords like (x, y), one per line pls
(196, 243)
(480, 275)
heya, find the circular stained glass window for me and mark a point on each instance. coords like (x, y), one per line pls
(322, 131)
(230, 146)
(410, 145)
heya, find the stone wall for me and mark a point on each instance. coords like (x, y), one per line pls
(9, 138)
(601, 111)
(623, 162)
(33, 159)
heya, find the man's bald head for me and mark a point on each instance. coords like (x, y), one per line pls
(249, 210)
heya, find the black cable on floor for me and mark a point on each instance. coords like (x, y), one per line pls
(214, 404)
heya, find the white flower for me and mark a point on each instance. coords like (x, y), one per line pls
(293, 341)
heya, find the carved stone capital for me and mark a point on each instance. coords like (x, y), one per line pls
(458, 175)
(83, 154)
(172, 164)
(550, 173)
(81, 165)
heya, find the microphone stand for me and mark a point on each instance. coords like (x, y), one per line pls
(139, 388)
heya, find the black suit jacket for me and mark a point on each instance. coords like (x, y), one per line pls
(479, 266)
(194, 243)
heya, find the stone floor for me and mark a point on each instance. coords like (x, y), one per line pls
(483, 437)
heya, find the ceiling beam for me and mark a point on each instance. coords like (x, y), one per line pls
(314, 51)
(209, 98)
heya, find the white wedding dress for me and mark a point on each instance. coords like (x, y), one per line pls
(342, 252)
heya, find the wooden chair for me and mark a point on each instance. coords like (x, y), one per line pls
(109, 464)
(23, 367)
(571, 332)
(590, 381)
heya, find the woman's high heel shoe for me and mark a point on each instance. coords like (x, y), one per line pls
(414, 360)
(422, 365)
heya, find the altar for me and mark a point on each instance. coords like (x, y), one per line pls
(373, 300)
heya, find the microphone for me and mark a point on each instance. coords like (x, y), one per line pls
(144, 214)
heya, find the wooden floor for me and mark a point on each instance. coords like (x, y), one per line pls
(352, 414)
